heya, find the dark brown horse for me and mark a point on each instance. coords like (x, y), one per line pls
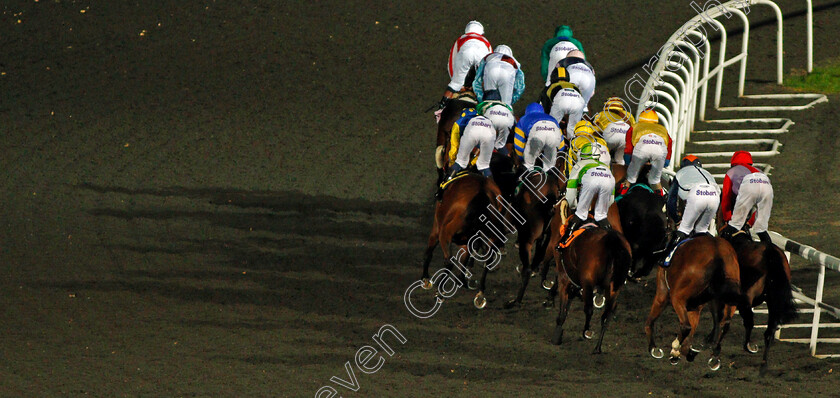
(702, 269)
(468, 217)
(535, 202)
(597, 261)
(765, 277)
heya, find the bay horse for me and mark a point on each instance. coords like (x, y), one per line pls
(460, 216)
(702, 269)
(765, 277)
(598, 260)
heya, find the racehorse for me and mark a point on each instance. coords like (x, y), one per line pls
(597, 260)
(702, 269)
(535, 202)
(765, 277)
(643, 223)
(460, 216)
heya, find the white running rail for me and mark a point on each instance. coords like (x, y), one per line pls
(678, 88)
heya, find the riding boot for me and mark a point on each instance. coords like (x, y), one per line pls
(765, 237)
(574, 223)
(605, 224)
(675, 240)
(486, 172)
(727, 231)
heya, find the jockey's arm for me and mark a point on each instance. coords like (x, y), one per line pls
(727, 199)
(545, 55)
(519, 143)
(628, 146)
(673, 195)
(573, 185)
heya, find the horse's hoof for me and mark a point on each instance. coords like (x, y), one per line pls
(479, 301)
(472, 285)
(548, 304)
(518, 269)
(510, 304)
(547, 284)
(751, 348)
(557, 337)
(657, 352)
(714, 363)
(588, 334)
(599, 300)
(427, 284)
(534, 273)
(674, 360)
(692, 353)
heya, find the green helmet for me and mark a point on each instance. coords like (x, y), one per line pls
(590, 151)
(563, 31)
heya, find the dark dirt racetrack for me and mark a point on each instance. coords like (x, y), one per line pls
(207, 198)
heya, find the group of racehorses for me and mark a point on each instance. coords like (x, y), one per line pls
(704, 271)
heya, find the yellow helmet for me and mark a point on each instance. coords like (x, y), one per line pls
(584, 127)
(614, 101)
(649, 115)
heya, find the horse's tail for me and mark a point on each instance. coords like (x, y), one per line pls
(780, 305)
(472, 219)
(727, 288)
(619, 253)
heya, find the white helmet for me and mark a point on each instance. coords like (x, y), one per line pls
(474, 27)
(500, 116)
(576, 54)
(503, 49)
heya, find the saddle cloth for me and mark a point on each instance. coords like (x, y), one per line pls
(574, 234)
(457, 175)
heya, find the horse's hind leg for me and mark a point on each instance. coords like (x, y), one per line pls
(565, 303)
(609, 310)
(427, 258)
(525, 245)
(588, 309)
(747, 315)
(717, 308)
(685, 342)
(769, 337)
(726, 317)
(656, 308)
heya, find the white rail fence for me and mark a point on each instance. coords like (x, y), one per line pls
(678, 89)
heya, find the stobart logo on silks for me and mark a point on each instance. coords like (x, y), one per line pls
(498, 112)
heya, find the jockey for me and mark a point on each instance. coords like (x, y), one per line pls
(698, 189)
(487, 128)
(466, 53)
(613, 123)
(647, 141)
(745, 187)
(580, 73)
(499, 77)
(562, 99)
(557, 47)
(592, 178)
(585, 133)
(537, 134)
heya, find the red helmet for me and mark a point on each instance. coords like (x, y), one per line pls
(741, 157)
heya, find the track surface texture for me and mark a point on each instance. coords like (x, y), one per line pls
(208, 198)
